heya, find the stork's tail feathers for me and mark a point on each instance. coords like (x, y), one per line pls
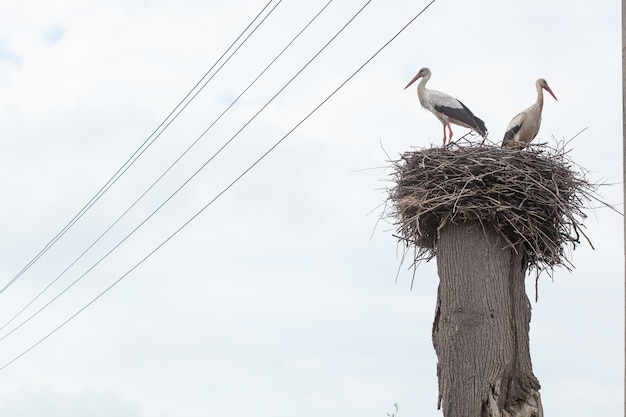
(472, 121)
(480, 127)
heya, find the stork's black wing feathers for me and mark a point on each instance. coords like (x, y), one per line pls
(464, 115)
(510, 134)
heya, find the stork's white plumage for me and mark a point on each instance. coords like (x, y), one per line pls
(446, 108)
(525, 126)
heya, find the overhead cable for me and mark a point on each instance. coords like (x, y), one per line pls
(192, 218)
(206, 163)
(157, 180)
(145, 145)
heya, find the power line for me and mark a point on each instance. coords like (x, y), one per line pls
(157, 181)
(106, 255)
(147, 143)
(191, 219)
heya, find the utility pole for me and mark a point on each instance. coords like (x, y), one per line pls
(624, 167)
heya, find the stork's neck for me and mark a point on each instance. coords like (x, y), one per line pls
(421, 89)
(539, 95)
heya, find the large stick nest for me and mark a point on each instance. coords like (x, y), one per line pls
(534, 198)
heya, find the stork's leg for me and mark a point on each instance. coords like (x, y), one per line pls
(444, 136)
(450, 131)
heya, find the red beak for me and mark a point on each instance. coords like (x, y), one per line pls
(549, 90)
(417, 77)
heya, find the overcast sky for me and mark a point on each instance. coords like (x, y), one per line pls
(283, 298)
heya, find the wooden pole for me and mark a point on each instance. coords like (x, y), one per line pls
(624, 168)
(481, 327)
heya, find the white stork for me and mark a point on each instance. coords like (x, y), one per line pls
(446, 108)
(525, 126)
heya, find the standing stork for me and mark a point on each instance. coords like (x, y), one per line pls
(525, 126)
(446, 108)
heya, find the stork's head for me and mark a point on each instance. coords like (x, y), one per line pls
(423, 73)
(542, 83)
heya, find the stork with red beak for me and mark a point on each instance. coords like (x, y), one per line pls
(525, 126)
(446, 108)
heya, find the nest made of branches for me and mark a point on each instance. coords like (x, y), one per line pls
(533, 197)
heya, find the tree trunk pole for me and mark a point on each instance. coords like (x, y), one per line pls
(624, 164)
(480, 332)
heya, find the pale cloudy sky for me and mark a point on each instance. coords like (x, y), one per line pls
(281, 298)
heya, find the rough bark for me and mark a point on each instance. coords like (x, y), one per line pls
(481, 326)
